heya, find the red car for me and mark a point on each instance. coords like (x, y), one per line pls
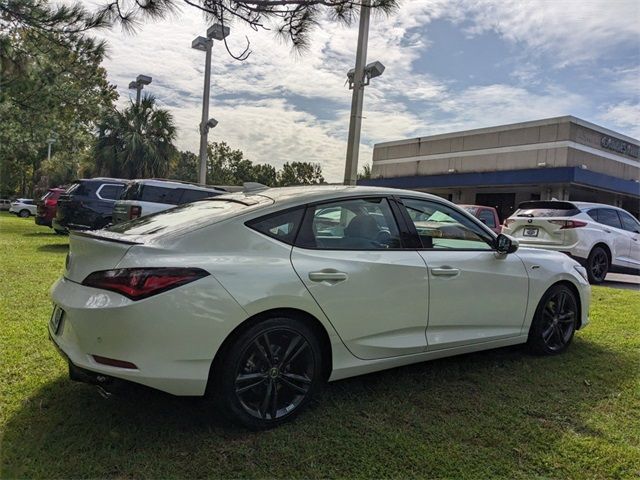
(47, 207)
(487, 215)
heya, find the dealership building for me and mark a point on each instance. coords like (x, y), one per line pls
(562, 158)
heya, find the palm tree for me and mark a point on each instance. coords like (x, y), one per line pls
(136, 142)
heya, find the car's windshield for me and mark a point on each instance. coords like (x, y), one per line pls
(551, 208)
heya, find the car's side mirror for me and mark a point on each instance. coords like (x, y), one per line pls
(505, 244)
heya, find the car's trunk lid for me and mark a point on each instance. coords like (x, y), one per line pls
(540, 222)
(94, 251)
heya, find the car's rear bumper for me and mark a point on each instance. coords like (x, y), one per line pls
(170, 338)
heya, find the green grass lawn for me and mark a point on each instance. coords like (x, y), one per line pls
(501, 413)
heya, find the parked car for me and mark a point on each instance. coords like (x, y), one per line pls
(601, 237)
(144, 197)
(23, 207)
(258, 298)
(46, 207)
(487, 215)
(5, 204)
(87, 204)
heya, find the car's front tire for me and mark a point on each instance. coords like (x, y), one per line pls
(597, 265)
(269, 372)
(24, 213)
(554, 322)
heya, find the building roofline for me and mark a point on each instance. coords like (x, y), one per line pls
(512, 126)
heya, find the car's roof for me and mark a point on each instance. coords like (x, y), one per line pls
(283, 196)
(585, 205)
(158, 182)
(103, 180)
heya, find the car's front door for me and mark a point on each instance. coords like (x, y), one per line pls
(617, 238)
(474, 295)
(348, 254)
(632, 228)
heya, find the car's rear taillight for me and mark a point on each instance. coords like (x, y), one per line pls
(135, 211)
(508, 221)
(139, 283)
(565, 224)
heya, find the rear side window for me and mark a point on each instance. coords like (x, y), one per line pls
(352, 224)
(551, 208)
(110, 192)
(609, 217)
(282, 226)
(189, 195)
(155, 194)
(77, 188)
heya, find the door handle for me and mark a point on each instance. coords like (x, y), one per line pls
(328, 275)
(445, 271)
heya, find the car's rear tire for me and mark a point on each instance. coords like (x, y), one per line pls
(598, 265)
(269, 373)
(554, 322)
(24, 213)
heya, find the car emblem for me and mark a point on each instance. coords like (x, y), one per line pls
(529, 221)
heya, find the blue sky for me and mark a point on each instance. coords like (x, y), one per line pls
(451, 65)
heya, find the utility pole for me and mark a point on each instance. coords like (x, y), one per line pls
(355, 122)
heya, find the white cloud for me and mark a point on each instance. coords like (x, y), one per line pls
(625, 114)
(280, 107)
(567, 31)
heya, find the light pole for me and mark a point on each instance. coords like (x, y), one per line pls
(214, 32)
(138, 85)
(358, 78)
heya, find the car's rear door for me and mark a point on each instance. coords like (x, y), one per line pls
(350, 257)
(632, 227)
(474, 295)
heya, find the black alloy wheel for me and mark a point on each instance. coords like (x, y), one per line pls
(24, 213)
(597, 265)
(555, 321)
(271, 372)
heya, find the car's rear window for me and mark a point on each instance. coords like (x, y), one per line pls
(546, 209)
(76, 188)
(190, 215)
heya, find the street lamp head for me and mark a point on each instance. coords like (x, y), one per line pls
(212, 122)
(218, 32)
(374, 69)
(143, 79)
(200, 43)
(133, 85)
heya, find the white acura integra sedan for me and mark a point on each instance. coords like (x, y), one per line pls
(259, 298)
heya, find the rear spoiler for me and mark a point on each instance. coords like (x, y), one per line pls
(547, 204)
(109, 236)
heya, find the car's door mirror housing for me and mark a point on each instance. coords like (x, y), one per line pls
(505, 244)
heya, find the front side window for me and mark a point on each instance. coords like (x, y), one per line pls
(443, 228)
(282, 226)
(609, 217)
(354, 224)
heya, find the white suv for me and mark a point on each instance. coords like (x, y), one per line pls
(144, 197)
(601, 237)
(23, 207)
